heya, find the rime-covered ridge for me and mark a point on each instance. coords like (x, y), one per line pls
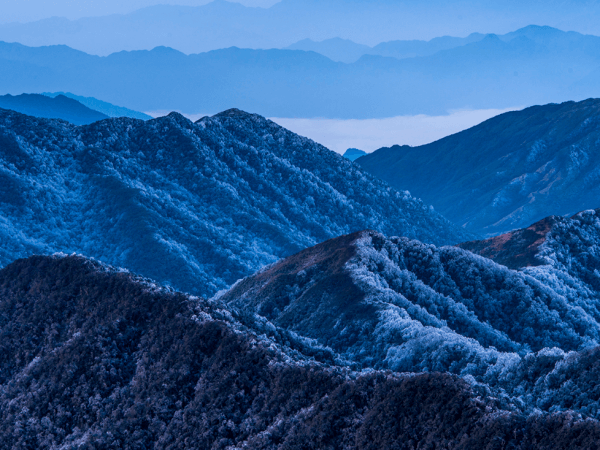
(92, 357)
(506, 173)
(196, 205)
(530, 334)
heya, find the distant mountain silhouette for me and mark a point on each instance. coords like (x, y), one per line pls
(221, 24)
(530, 68)
(507, 172)
(354, 153)
(336, 49)
(103, 107)
(409, 49)
(60, 107)
(344, 50)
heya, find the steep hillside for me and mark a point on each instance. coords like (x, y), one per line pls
(97, 358)
(507, 172)
(558, 244)
(60, 107)
(407, 306)
(194, 205)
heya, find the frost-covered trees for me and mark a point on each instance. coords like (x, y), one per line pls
(197, 206)
(97, 358)
(403, 305)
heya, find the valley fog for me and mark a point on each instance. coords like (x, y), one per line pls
(370, 134)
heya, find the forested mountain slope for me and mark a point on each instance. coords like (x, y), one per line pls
(197, 205)
(59, 107)
(407, 306)
(507, 172)
(92, 357)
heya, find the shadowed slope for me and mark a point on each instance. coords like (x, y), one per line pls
(507, 172)
(98, 358)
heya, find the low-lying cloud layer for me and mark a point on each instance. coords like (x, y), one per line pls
(371, 134)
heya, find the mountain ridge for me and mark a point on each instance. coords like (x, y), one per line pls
(196, 205)
(162, 360)
(527, 165)
(102, 107)
(59, 107)
(396, 304)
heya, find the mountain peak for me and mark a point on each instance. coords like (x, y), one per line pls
(177, 116)
(354, 153)
(234, 112)
(564, 243)
(516, 249)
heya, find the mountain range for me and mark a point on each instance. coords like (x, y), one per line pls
(347, 51)
(196, 205)
(221, 24)
(95, 357)
(302, 351)
(535, 65)
(399, 304)
(325, 309)
(505, 173)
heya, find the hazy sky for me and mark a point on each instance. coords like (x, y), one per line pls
(372, 134)
(29, 10)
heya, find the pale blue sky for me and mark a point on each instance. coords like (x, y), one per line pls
(30, 10)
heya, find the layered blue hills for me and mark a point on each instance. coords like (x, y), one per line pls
(221, 24)
(324, 308)
(535, 65)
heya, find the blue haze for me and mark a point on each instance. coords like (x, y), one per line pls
(534, 65)
(193, 29)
